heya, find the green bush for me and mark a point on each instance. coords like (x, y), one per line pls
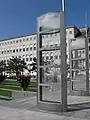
(12, 77)
(24, 81)
(2, 78)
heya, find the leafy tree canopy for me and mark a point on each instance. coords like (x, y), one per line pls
(16, 65)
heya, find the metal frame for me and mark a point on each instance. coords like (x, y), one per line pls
(61, 106)
(86, 92)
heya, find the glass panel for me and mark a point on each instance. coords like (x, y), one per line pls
(51, 84)
(78, 80)
(78, 70)
(51, 57)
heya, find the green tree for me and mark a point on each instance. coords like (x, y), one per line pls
(2, 70)
(2, 66)
(33, 65)
(24, 81)
(16, 65)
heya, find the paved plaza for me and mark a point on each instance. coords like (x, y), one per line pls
(25, 109)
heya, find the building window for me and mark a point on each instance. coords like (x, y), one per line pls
(17, 41)
(55, 34)
(46, 46)
(13, 51)
(34, 38)
(70, 32)
(27, 39)
(43, 58)
(10, 51)
(27, 49)
(31, 38)
(23, 59)
(2, 52)
(89, 40)
(80, 61)
(30, 48)
(30, 59)
(83, 52)
(23, 40)
(51, 57)
(5, 42)
(23, 49)
(7, 51)
(16, 50)
(34, 48)
(20, 49)
(56, 45)
(20, 40)
(89, 48)
(56, 57)
(11, 42)
(26, 59)
(51, 45)
(47, 57)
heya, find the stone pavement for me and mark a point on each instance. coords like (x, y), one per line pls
(17, 114)
(25, 109)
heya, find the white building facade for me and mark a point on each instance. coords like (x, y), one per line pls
(25, 46)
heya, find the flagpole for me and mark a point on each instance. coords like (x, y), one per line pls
(87, 56)
(63, 5)
(86, 24)
(63, 59)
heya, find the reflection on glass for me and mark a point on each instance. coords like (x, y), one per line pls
(51, 84)
(78, 70)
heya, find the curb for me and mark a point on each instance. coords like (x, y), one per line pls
(5, 98)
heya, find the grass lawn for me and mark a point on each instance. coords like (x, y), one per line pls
(14, 85)
(5, 93)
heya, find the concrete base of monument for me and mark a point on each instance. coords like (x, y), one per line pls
(79, 93)
(50, 106)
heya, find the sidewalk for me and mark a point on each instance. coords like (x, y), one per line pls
(25, 109)
(16, 114)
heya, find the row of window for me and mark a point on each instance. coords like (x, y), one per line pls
(51, 45)
(52, 57)
(27, 59)
(27, 39)
(18, 50)
(27, 49)
(17, 41)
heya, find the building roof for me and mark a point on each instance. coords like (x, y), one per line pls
(80, 32)
(17, 37)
